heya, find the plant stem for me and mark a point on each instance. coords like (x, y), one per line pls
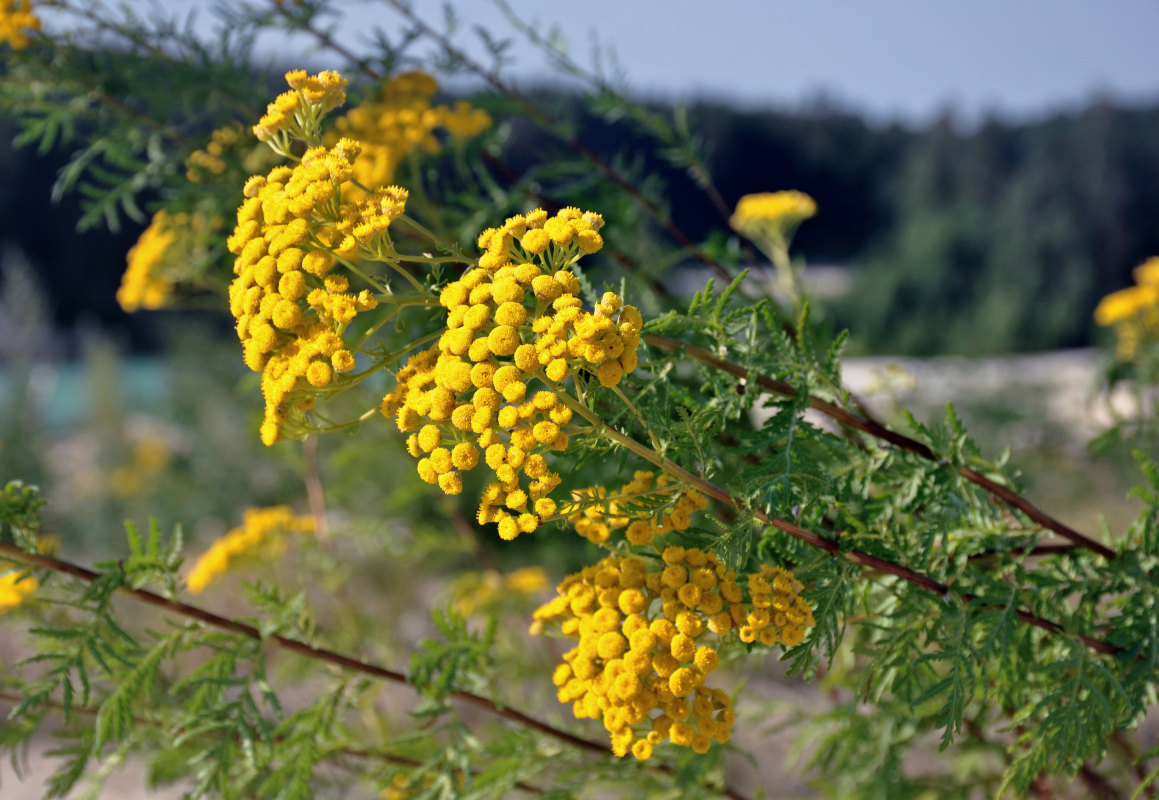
(811, 537)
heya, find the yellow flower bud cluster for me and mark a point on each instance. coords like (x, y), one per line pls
(203, 163)
(15, 587)
(402, 121)
(260, 534)
(643, 505)
(142, 285)
(647, 637)
(772, 218)
(16, 17)
(291, 306)
(788, 208)
(167, 252)
(1133, 312)
(515, 319)
(299, 109)
(780, 613)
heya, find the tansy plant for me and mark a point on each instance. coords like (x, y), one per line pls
(490, 351)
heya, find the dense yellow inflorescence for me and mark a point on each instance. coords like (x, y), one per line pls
(1133, 312)
(603, 512)
(142, 285)
(402, 121)
(164, 254)
(210, 161)
(649, 634)
(299, 111)
(772, 206)
(261, 533)
(16, 18)
(15, 587)
(292, 306)
(772, 215)
(513, 322)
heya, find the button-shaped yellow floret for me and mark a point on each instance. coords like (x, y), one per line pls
(318, 374)
(343, 361)
(611, 645)
(503, 340)
(465, 456)
(706, 659)
(682, 682)
(535, 241)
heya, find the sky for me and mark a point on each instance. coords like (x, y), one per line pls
(907, 60)
(888, 58)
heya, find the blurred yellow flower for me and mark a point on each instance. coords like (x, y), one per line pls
(15, 586)
(16, 17)
(772, 213)
(1133, 312)
(260, 533)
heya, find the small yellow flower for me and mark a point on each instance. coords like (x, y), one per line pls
(17, 17)
(259, 534)
(15, 587)
(775, 214)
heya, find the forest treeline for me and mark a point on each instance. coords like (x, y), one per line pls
(998, 238)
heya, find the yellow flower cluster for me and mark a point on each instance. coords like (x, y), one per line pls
(291, 306)
(402, 121)
(775, 214)
(648, 636)
(780, 613)
(167, 252)
(642, 506)
(515, 319)
(15, 586)
(211, 161)
(16, 17)
(1134, 311)
(299, 110)
(259, 534)
(142, 284)
(475, 591)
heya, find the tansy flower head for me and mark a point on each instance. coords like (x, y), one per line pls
(15, 587)
(17, 17)
(516, 330)
(1133, 312)
(644, 650)
(300, 109)
(167, 251)
(646, 506)
(260, 534)
(292, 307)
(772, 214)
(402, 121)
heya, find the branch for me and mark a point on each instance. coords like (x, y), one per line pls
(879, 431)
(301, 648)
(811, 537)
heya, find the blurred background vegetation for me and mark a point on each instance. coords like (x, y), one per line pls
(1000, 238)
